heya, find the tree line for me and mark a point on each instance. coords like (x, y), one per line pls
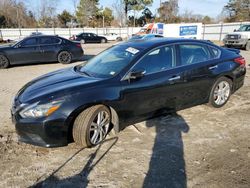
(89, 13)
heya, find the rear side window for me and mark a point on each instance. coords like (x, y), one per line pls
(49, 40)
(215, 52)
(157, 60)
(193, 53)
(29, 42)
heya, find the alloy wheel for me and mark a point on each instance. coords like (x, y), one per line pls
(99, 127)
(221, 93)
(3, 62)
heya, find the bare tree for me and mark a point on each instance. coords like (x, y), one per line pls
(119, 14)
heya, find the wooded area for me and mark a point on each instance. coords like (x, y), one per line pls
(89, 13)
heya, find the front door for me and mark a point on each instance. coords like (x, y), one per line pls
(156, 92)
(27, 51)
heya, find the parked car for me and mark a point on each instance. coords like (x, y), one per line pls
(40, 48)
(144, 37)
(125, 84)
(113, 36)
(239, 38)
(90, 38)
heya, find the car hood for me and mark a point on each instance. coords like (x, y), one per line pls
(57, 82)
(5, 46)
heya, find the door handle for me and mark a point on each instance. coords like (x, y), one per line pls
(174, 78)
(213, 67)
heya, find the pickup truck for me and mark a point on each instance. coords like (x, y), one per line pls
(239, 38)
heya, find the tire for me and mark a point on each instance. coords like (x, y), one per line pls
(221, 92)
(103, 41)
(248, 46)
(4, 62)
(87, 132)
(118, 39)
(64, 57)
(83, 41)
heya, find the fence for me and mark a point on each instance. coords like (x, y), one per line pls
(210, 31)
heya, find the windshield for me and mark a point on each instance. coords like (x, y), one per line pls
(244, 28)
(110, 62)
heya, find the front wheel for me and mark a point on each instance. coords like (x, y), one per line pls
(248, 46)
(220, 92)
(64, 57)
(4, 62)
(91, 126)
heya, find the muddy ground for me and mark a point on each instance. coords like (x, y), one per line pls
(197, 147)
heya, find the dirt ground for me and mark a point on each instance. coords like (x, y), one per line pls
(196, 147)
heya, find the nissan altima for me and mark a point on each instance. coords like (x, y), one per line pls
(40, 48)
(127, 83)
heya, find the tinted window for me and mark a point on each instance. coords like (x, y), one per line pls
(110, 62)
(193, 53)
(29, 42)
(49, 40)
(157, 60)
(215, 52)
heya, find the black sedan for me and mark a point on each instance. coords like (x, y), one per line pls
(90, 38)
(40, 48)
(125, 84)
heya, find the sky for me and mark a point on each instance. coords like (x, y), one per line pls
(210, 8)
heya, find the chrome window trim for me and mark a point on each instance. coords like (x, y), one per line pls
(138, 61)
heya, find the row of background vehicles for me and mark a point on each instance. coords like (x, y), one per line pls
(44, 48)
(48, 48)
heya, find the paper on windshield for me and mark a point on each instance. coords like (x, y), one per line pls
(132, 50)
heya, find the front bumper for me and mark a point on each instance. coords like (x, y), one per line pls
(42, 132)
(235, 42)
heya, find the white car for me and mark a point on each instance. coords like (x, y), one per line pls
(113, 36)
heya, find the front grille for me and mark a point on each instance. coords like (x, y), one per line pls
(233, 36)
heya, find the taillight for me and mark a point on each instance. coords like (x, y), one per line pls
(78, 45)
(241, 61)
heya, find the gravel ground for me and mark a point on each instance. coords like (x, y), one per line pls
(196, 147)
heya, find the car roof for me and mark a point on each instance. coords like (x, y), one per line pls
(39, 36)
(153, 42)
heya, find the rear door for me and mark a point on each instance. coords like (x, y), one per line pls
(27, 51)
(196, 64)
(49, 48)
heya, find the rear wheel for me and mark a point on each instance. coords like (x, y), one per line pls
(248, 46)
(220, 92)
(91, 126)
(83, 41)
(4, 62)
(103, 41)
(64, 57)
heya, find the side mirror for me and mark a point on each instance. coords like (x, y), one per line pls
(18, 46)
(135, 74)
(235, 30)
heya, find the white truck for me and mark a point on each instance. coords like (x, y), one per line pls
(182, 30)
(239, 38)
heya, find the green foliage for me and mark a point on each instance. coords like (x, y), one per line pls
(86, 12)
(64, 17)
(238, 10)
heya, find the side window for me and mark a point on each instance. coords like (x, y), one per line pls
(215, 52)
(49, 40)
(29, 42)
(157, 60)
(193, 53)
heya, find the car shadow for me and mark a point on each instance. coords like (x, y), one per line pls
(167, 164)
(80, 179)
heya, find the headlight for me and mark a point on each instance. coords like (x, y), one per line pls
(37, 110)
(243, 36)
